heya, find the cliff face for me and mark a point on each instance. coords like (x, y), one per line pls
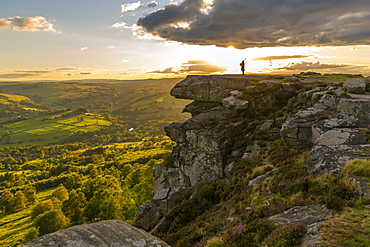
(207, 144)
(231, 118)
(204, 142)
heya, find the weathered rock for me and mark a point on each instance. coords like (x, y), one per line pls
(309, 93)
(311, 216)
(342, 137)
(354, 107)
(198, 107)
(297, 133)
(291, 79)
(259, 180)
(330, 159)
(312, 237)
(251, 151)
(107, 233)
(266, 126)
(234, 103)
(361, 187)
(208, 88)
(355, 85)
(304, 214)
(148, 213)
(269, 81)
(200, 153)
(327, 101)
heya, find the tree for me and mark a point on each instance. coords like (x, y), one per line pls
(19, 202)
(30, 194)
(74, 181)
(41, 208)
(6, 202)
(51, 221)
(32, 234)
(108, 200)
(61, 193)
(73, 207)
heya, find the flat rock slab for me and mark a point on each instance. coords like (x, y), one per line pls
(342, 136)
(107, 233)
(304, 214)
(330, 159)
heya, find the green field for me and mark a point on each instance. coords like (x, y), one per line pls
(51, 128)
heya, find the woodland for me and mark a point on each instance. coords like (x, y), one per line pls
(75, 152)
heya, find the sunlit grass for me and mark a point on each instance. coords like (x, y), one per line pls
(349, 228)
(14, 227)
(43, 130)
(14, 97)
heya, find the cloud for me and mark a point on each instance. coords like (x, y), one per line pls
(84, 48)
(85, 73)
(125, 61)
(304, 66)
(131, 6)
(165, 71)
(193, 67)
(263, 23)
(269, 58)
(32, 24)
(34, 71)
(120, 24)
(17, 75)
(24, 73)
(152, 4)
(65, 68)
(201, 67)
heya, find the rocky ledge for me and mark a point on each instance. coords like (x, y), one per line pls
(206, 143)
(107, 233)
(335, 127)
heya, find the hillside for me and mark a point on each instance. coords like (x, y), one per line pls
(274, 161)
(91, 110)
(263, 161)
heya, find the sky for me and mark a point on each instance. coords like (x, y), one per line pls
(121, 39)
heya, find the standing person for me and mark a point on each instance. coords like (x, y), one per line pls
(242, 66)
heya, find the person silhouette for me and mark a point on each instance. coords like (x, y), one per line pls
(242, 66)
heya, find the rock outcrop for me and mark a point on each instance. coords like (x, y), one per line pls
(334, 127)
(311, 216)
(107, 233)
(204, 142)
(355, 85)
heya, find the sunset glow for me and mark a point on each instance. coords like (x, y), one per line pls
(154, 39)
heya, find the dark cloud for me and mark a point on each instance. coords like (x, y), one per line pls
(152, 4)
(305, 66)
(37, 72)
(17, 75)
(85, 73)
(193, 67)
(251, 23)
(34, 24)
(323, 68)
(24, 73)
(269, 58)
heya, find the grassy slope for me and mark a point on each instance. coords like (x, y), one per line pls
(52, 128)
(14, 227)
